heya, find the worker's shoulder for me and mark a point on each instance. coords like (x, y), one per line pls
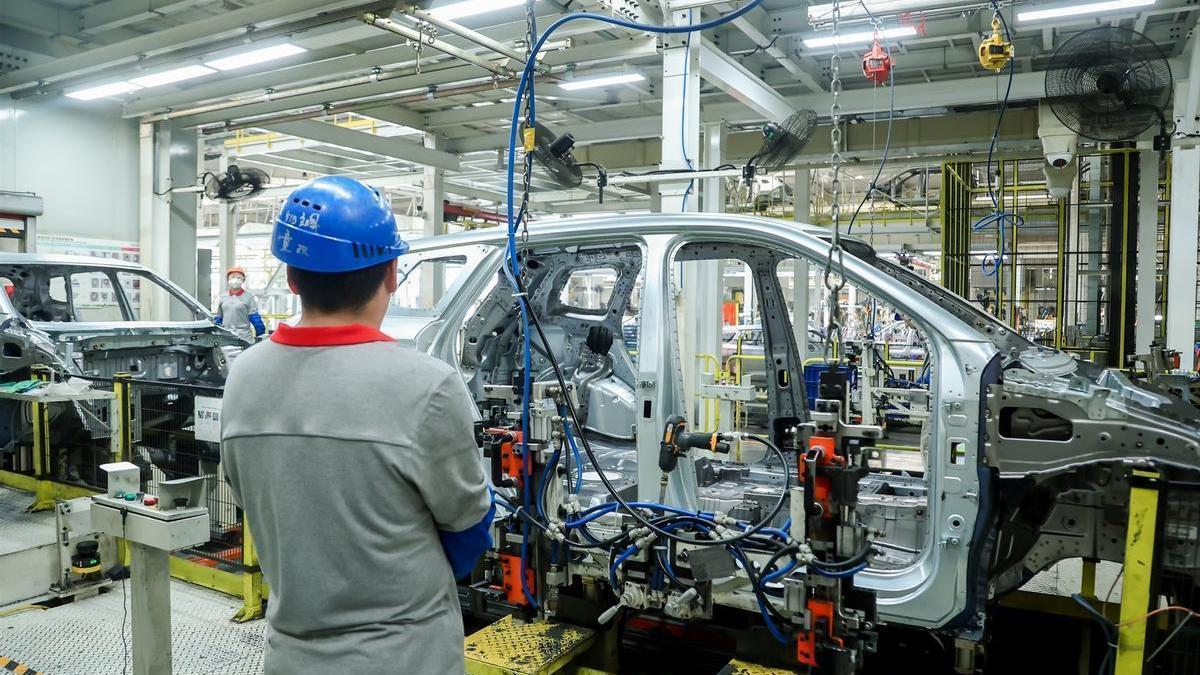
(415, 366)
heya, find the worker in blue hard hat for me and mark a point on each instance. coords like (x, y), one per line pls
(353, 458)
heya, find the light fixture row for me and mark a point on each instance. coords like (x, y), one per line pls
(180, 74)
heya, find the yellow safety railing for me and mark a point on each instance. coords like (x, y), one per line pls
(708, 403)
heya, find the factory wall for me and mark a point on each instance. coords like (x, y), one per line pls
(81, 157)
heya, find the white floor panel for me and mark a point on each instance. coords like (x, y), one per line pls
(84, 638)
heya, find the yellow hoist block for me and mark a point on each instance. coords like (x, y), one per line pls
(995, 52)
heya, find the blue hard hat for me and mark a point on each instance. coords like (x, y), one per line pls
(336, 224)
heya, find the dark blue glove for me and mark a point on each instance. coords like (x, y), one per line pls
(464, 548)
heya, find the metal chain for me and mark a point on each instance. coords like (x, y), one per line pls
(834, 325)
(527, 173)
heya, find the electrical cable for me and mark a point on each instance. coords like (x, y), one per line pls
(1170, 637)
(687, 57)
(124, 604)
(991, 263)
(844, 574)
(1149, 615)
(575, 452)
(764, 605)
(656, 172)
(531, 61)
(887, 144)
(1110, 633)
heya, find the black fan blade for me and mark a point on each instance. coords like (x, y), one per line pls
(1108, 83)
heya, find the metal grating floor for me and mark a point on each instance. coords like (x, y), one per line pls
(82, 638)
(20, 531)
(1066, 577)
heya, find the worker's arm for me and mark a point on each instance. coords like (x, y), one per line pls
(217, 312)
(451, 479)
(256, 318)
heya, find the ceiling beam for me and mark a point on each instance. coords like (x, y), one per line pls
(358, 140)
(390, 112)
(42, 18)
(110, 14)
(724, 71)
(750, 25)
(909, 97)
(204, 30)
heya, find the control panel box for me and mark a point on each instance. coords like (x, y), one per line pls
(141, 521)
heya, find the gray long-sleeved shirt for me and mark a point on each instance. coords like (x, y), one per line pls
(348, 453)
(234, 311)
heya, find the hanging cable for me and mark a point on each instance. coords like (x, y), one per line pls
(887, 144)
(1003, 220)
(683, 109)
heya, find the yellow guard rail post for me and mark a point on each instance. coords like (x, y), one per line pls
(252, 581)
(121, 417)
(1136, 590)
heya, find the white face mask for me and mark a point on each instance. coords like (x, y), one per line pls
(235, 282)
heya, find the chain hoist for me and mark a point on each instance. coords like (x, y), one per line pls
(833, 327)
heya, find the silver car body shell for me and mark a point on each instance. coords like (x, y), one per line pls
(946, 579)
(931, 591)
(61, 338)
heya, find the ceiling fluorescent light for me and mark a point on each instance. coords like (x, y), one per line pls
(458, 10)
(863, 37)
(603, 81)
(110, 89)
(1075, 10)
(256, 56)
(170, 76)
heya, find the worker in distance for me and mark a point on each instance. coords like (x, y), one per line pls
(237, 310)
(354, 458)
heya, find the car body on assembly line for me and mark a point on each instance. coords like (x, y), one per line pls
(80, 316)
(1025, 449)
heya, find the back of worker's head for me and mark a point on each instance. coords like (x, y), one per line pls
(339, 240)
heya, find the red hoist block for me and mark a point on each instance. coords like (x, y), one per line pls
(877, 63)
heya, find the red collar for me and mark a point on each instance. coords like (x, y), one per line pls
(327, 336)
(237, 291)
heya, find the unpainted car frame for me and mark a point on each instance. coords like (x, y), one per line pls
(1018, 438)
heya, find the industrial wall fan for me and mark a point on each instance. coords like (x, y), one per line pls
(553, 154)
(782, 141)
(1109, 84)
(235, 183)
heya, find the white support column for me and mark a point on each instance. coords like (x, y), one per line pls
(151, 603)
(1185, 209)
(154, 159)
(1147, 238)
(1181, 270)
(800, 291)
(680, 114)
(433, 192)
(700, 314)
